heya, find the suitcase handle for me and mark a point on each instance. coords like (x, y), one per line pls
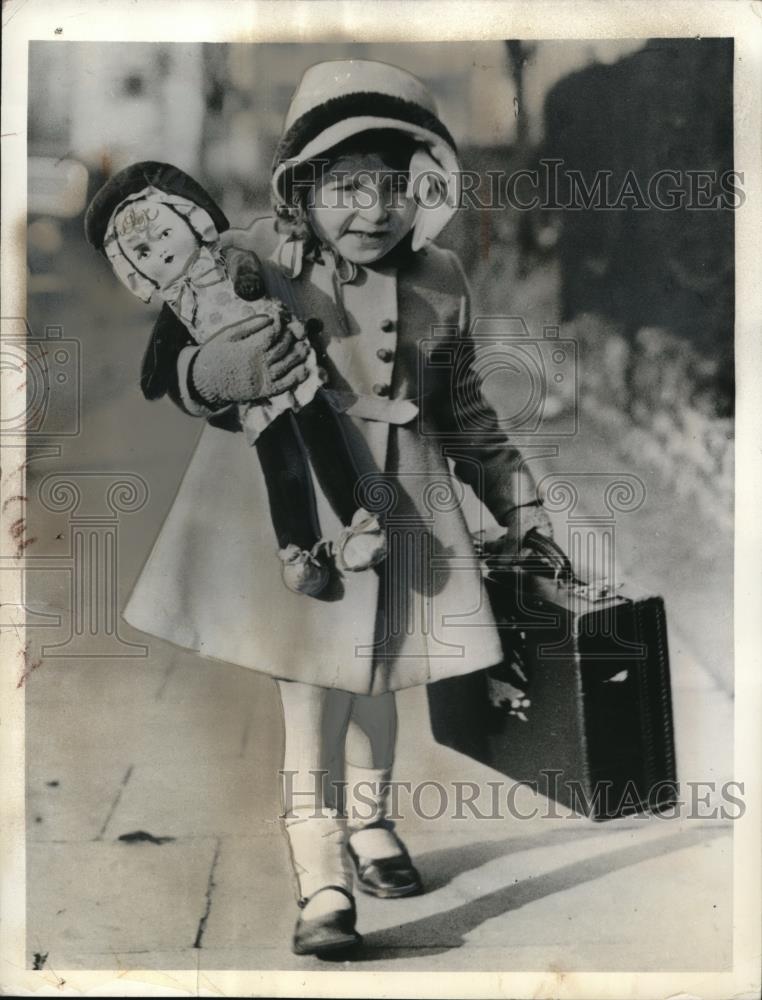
(551, 553)
(546, 555)
(563, 572)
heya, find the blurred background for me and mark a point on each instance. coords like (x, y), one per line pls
(127, 734)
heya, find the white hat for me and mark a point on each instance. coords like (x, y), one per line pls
(337, 100)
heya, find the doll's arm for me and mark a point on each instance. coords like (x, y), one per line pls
(165, 372)
(244, 250)
(245, 272)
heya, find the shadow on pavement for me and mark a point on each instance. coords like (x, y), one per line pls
(454, 924)
(439, 868)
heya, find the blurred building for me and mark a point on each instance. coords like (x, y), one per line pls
(108, 104)
(216, 110)
(668, 106)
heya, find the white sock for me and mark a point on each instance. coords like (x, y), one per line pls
(327, 901)
(375, 843)
(367, 802)
(319, 860)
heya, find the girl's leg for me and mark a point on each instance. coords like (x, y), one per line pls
(315, 721)
(372, 730)
(383, 865)
(371, 739)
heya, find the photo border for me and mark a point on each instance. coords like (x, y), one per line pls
(403, 21)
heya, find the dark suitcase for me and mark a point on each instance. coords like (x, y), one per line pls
(580, 708)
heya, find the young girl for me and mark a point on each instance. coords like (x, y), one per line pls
(365, 177)
(150, 222)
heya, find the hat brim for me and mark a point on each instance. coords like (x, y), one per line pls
(340, 131)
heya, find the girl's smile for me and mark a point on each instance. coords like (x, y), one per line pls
(361, 208)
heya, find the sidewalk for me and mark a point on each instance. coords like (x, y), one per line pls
(186, 751)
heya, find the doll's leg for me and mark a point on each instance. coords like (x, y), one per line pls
(380, 858)
(330, 455)
(315, 720)
(362, 543)
(289, 485)
(292, 506)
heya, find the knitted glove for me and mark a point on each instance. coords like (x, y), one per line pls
(256, 360)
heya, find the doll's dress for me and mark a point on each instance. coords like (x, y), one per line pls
(204, 299)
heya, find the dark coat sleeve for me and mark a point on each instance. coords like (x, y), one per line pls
(158, 376)
(484, 456)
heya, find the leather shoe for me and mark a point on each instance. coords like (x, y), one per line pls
(387, 878)
(330, 932)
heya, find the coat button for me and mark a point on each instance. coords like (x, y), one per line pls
(384, 354)
(381, 389)
(387, 325)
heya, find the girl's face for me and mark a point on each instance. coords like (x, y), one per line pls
(156, 240)
(360, 207)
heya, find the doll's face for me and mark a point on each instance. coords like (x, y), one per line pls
(156, 240)
(360, 207)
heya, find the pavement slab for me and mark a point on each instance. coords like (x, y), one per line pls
(78, 905)
(54, 784)
(141, 728)
(254, 903)
(224, 797)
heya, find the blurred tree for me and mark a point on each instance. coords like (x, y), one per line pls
(519, 53)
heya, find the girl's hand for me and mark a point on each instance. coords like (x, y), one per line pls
(258, 359)
(520, 522)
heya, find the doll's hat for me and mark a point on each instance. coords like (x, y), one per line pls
(136, 178)
(335, 101)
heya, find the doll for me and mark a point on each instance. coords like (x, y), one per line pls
(161, 242)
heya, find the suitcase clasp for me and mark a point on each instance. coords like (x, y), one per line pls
(597, 590)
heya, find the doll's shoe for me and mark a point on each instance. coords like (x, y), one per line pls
(331, 932)
(302, 571)
(387, 877)
(362, 544)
